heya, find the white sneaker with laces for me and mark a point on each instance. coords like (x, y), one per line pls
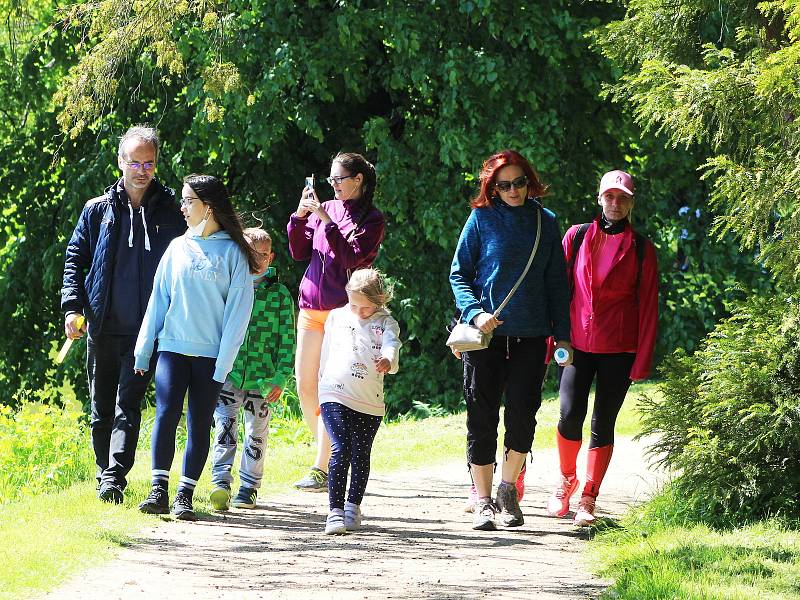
(584, 516)
(485, 512)
(558, 503)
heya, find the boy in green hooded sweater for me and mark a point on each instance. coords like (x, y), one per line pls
(264, 364)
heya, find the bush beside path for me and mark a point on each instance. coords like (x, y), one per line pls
(417, 543)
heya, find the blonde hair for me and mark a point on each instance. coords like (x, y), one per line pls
(255, 235)
(372, 283)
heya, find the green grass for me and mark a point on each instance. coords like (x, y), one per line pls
(661, 551)
(74, 531)
(46, 539)
(650, 559)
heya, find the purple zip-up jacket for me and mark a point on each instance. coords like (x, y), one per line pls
(335, 250)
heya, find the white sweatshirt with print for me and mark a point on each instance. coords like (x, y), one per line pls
(350, 349)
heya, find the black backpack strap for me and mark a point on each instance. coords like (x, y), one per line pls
(576, 245)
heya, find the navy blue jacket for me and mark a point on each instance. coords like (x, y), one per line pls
(89, 262)
(492, 252)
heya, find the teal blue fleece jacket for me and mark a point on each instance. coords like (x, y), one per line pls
(492, 252)
(201, 302)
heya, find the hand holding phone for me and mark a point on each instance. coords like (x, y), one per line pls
(308, 199)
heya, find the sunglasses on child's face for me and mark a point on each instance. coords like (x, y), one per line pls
(518, 183)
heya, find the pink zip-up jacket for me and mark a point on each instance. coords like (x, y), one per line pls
(611, 315)
(335, 250)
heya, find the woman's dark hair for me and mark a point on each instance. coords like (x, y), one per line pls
(489, 171)
(213, 192)
(355, 164)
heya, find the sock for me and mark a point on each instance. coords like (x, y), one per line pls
(596, 467)
(159, 478)
(567, 454)
(186, 486)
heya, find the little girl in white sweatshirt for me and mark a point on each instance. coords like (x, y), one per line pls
(361, 345)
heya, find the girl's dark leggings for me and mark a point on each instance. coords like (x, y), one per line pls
(613, 380)
(352, 434)
(175, 374)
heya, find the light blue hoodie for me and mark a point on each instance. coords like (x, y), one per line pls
(201, 302)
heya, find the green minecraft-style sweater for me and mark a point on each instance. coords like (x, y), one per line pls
(266, 357)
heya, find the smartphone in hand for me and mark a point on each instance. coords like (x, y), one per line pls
(310, 181)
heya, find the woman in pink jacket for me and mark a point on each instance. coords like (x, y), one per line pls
(613, 315)
(338, 237)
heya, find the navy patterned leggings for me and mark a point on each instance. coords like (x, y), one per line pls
(352, 434)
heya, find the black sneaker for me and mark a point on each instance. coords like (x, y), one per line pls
(182, 507)
(245, 498)
(111, 493)
(510, 512)
(157, 501)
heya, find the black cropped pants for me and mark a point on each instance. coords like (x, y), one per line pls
(512, 367)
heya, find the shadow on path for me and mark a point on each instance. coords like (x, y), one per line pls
(416, 543)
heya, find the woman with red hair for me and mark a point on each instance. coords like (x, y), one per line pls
(506, 225)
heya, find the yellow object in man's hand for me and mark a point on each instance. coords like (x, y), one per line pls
(68, 343)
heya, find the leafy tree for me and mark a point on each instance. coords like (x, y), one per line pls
(31, 187)
(264, 93)
(723, 76)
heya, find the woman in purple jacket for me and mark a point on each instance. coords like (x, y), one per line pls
(338, 236)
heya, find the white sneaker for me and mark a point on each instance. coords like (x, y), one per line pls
(484, 515)
(352, 516)
(558, 503)
(335, 523)
(584, 516)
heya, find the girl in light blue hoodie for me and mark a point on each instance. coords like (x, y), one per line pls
(197, 315)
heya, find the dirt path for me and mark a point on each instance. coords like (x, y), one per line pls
(417, 543)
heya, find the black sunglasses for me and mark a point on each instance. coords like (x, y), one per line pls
(518, 183)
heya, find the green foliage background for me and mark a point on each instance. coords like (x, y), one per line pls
(264, 93)
(720, 79)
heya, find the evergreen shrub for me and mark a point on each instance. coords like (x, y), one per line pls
(729, 418)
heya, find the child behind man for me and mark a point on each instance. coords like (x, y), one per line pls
(361, 345)
(263, 365)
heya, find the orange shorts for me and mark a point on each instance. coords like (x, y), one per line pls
(309, 318)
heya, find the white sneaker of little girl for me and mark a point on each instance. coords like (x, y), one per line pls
(341, 521)
(352, 516)
(335, 523)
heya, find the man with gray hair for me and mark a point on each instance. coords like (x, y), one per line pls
(110, 263)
